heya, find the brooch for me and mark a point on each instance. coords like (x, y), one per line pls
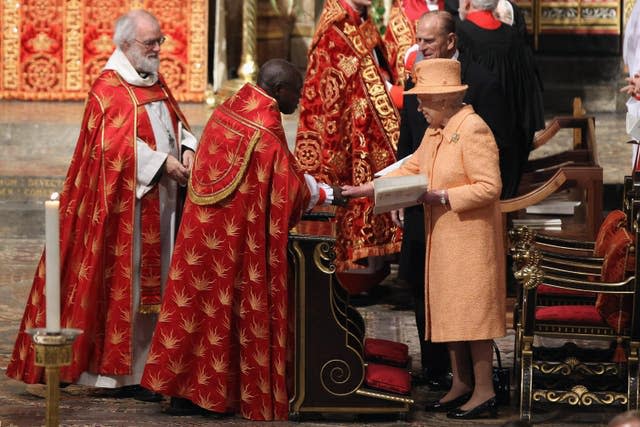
(455, 137)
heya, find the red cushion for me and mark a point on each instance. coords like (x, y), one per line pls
(552, 290)
(572, 314)
(609, 226)
(384, 350)
(616, 309)
(388, 378)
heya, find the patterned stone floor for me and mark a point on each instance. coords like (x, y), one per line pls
(37, 141)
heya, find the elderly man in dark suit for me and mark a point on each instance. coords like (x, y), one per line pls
(436, 38)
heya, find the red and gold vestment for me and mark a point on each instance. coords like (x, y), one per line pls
(221, 340)
(348, 128)
(97, 208)
(400, 34)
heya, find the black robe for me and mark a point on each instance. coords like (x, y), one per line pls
(504, 52)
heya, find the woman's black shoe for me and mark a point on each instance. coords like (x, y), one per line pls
(488, 409)
(437, 406)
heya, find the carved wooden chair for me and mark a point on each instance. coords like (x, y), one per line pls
(612, 317)
(583, 258)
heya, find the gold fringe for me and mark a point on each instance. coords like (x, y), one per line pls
(149, 309)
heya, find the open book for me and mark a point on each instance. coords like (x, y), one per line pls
(397, 192)
(392, 167)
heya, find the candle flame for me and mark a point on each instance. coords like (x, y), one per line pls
(55, 196)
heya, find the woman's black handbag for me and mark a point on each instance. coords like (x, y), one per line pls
(501, 380)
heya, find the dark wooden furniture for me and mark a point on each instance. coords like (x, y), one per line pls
(571, 175)
(569, 378)
(329, 367)
(577, 183)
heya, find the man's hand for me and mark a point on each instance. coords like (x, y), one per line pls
(176, 170)
(633, 87)
(187, 159)
(338, 198)
(363, 190)
(397, 216)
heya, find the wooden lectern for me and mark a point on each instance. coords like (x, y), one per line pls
(328, 367)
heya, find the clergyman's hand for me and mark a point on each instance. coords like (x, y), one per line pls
(338, 197)
(363, 190)
(176, 170)
(187, 159)
(397, 216)
(633, 86)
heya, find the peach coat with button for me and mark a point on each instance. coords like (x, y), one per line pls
(465, 269)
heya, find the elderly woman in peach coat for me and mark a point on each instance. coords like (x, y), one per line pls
(464, 285)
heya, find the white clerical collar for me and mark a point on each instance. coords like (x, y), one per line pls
(119, 63)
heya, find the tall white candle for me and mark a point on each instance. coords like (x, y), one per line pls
(52, 247)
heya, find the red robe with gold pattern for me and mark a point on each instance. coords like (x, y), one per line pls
(221, 339)
(400, 34)
(96, 235)
(348, 128)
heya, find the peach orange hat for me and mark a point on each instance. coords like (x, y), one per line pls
(437, 76)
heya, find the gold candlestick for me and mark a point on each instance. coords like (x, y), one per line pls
(53, 350)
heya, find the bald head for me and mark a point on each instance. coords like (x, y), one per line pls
(441, 19)
(282, 81)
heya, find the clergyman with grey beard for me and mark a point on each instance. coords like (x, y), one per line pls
(117, 218)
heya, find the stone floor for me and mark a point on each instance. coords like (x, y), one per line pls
(37, 140)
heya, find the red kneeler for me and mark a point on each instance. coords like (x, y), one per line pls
(386, 352)
(388, 378)
(386, 366)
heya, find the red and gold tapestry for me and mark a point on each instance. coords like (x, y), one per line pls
(55, 49)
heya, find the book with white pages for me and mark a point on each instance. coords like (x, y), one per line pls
(391, 167)
(554, 207)
(552, 224)
(397, 192)
(530, 221)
